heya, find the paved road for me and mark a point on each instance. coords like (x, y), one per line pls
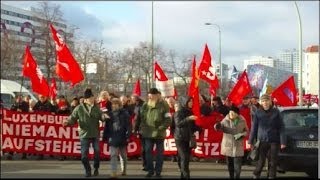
(74, 169)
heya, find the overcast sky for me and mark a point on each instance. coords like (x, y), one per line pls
(247, 28)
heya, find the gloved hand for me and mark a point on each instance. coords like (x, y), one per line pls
(192, 118)
(238, 136)
(218, 126)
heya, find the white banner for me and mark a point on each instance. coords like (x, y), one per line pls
(165, 87)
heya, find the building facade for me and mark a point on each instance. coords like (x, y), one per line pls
(25, 27)
(311, 70)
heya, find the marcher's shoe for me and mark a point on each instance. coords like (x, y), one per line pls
(144, 169)
(95, 172)
(40, 157)
(255, 177)
(9, 157)
(88, 173)
(158, 175)
(123, 173)
(24, 156)
(149, 174)
(113, 175)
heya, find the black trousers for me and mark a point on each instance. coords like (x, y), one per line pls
(270, 151)
(143, 152)
(184, 157)
(234, 166)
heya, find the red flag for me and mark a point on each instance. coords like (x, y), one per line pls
(240, 90)
(53, 89)
(193, 77)
(67, 67)
(206, 70)
(285, 94)
(137, 88)
(196, 105)
(31, 70)
(158, 73)
(194, 90)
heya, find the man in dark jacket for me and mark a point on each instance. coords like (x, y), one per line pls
(268, 128)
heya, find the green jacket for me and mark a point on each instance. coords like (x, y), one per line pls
(88, 122)
(155, 121)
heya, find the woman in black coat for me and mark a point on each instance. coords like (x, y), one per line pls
(184, 130)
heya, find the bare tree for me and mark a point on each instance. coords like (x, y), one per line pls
(11, 57)
(47, 13)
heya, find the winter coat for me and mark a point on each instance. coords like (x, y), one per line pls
(88, 121)
(22, 105)
(229, 146)
(155, 120)
(136, 121)
(117, 129)
(268, 127)
(43, 107)
(184, 128)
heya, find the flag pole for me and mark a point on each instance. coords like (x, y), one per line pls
(22, 77)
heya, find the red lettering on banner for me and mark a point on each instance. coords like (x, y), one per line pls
(24, 118)
(25, 130)
(43, 133)
(34, 119)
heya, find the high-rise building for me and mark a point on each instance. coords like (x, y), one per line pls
(285, 61)
(310, 79)
(225, 71)
(267, 61)
(289, 61)
(25, 27)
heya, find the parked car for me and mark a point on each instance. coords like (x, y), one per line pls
(9, 90)
(301, 129)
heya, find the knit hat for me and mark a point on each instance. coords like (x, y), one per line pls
(234, 109)
(154, 91)
(88, 93)
(265, 97)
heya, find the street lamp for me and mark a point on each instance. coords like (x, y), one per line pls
(220, 64)
(300, 54)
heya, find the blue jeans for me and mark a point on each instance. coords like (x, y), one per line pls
(114, 152)
(149, 143)
(85, 144)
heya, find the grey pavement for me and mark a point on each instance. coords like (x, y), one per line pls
(73, 169)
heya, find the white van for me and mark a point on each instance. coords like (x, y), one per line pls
(9, 90)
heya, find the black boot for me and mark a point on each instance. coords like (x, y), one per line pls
(96, 172)
(87, 167)
(88, 172)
